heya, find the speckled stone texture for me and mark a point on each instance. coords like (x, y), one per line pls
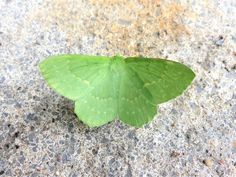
(193, 135)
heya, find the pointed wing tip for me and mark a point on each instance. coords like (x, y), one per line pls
(192, 75)
(41, 66)
(42, 69)
(43, 63)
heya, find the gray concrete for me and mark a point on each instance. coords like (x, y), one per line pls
(193, 135)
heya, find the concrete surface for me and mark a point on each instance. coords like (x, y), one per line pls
(193, 135)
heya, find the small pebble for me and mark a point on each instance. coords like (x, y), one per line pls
(208, 162)
(220, 41)
(234, 144)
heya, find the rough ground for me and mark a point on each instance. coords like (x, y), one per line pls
(193, 135)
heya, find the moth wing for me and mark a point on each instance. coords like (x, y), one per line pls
(147, 82)
(86, 80)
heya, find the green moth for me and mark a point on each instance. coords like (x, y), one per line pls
(105, 88)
